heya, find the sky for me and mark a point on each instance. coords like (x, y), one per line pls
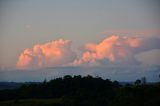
(35, 35)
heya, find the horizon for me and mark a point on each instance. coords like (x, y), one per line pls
(121, 74)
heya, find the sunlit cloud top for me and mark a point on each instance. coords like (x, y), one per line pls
(112, 50)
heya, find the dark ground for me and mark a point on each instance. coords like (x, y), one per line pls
(81, 91)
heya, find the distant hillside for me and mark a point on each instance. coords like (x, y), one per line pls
(9, 85)
(13, 85)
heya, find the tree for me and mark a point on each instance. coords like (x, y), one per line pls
(137, 82)
(67, 77)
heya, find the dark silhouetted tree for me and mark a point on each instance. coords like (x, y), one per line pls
(137, 82)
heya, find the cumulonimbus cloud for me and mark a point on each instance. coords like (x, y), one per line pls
(55, 53)
(113, 49)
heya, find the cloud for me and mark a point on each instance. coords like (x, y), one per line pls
(151, 57)
(149, 43)
(55, 53)
(112, 49)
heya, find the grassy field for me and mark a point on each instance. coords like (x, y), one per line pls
(32, 102)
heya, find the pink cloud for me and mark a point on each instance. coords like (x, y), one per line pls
(55, 53)
(113, 48)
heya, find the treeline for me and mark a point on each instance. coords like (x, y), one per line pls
(86, 91)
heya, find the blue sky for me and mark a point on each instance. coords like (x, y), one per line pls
(24, 23)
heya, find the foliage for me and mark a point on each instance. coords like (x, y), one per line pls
(81, 91)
